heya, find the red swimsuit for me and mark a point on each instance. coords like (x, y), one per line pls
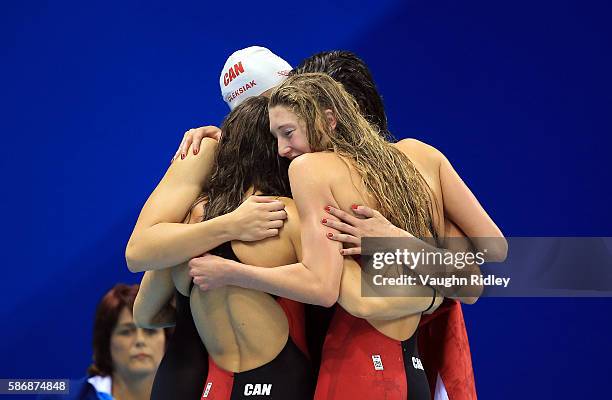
(359, 362)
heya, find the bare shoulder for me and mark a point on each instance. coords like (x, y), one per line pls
(318, 160)
(416, 147)
(315, 166)
(277, 250)
(291, 229)
(289, 205)
(420, 152)
(195, 168)
(208, 144)
(207, 149)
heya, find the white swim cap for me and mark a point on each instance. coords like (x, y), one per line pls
(250, 72)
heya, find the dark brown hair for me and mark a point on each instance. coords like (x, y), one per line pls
(355, 76)
(246, 156)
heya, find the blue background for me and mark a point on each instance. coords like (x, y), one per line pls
(95, 99)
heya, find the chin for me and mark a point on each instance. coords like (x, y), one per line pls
(142, 366)
(142, 371)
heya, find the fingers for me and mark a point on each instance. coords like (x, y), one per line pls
(182, 149)
(364, 211)
(276, 205)
(200, 133)
(199, 280)
(344, 238)
(193, 263)
(207, 131)
(176, 155)
(178, 151)
(341, 215)
(271, 233)
(352, 251)
(341, 226)
(201, 283)
(264, 199)
(275, 224)
(193, 138)
(277, 215)
(186, 143)
(197, 140)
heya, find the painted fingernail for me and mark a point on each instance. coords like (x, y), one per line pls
(354, 206)
(327, 208)
(182, 156)
(330, 235)
(342, 252)
(324, 220)
(196, 151)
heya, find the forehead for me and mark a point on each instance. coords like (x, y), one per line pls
(280, 115)
(125, 317)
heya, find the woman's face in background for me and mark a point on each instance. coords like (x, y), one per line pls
(135, 351)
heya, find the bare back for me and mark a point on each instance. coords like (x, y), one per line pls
(242, 328)
(348, 189)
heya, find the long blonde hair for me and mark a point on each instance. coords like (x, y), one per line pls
(403, 196)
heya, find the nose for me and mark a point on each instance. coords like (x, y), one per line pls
(140, 337)
(283, 148)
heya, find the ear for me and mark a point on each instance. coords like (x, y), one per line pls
(331, 119)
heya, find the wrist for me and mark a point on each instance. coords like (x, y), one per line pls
(227, 227)
(231, 273)
(433, 299)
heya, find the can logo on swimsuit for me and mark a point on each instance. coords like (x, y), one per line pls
(378, 365)
(257, 389)
(416, 363)
(207, 390)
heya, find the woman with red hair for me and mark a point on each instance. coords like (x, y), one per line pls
(125, 357)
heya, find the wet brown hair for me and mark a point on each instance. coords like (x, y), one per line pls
(246, 157)
(403, 196)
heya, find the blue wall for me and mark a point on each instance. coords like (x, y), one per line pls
(95, 99)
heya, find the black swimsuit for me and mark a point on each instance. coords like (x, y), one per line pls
(183, 370)
(289, 376)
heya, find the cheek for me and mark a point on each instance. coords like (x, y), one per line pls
(119, 349)
(302, 144)
(118, 344)
(157, 344)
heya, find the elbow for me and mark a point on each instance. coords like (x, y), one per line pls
(134, 263)
(141, 320)
(469, 294)
(468, 300)
(498, 251)
(327, 296)
(131, 262)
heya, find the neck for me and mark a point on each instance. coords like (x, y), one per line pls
(251, 191)
(132, 388)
